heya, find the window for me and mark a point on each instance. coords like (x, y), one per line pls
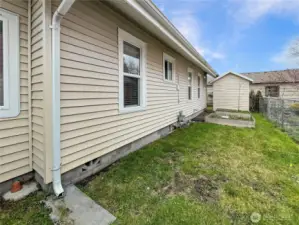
(190, 74)
(272, 91)
(132, 58)
(168, 67)
(198, 86)
(9, 65)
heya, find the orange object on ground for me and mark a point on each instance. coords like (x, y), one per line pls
(16, 186)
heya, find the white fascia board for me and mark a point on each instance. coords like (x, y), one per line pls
(145, 7)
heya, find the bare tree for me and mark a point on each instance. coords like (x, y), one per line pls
(294, 50)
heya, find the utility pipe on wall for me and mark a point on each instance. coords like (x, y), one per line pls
(62, 9)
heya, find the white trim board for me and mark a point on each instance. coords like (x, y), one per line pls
(171, 60)
(233, 73)
(127, 37)
(11, 64)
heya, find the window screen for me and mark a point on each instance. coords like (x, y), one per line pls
(131, 91)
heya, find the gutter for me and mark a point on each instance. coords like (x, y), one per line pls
(62, 9)
(149, 10)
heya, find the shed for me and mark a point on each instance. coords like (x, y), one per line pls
(231, 91)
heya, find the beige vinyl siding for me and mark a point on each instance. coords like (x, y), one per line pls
(15, 158)
(231, 92)
(286, 91)
(37, 85)
(210, 94)
(91, 124)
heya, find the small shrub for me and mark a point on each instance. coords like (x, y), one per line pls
(252, 99)
(258, 98)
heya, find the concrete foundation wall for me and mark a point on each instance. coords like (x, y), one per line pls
(104, 161)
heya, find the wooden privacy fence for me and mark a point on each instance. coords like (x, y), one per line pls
(284, 112)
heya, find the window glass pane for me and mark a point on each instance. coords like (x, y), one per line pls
(1, 65)
(131, 59)
(169, 71)
(189, 93)
(131, 91)
(189, 78)
(166, 69)
(272, 91)
(198, 89)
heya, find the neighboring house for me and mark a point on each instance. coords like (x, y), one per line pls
(116, 78)
(281, 84)
(231, 91)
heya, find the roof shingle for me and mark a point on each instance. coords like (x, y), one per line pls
(281, 76)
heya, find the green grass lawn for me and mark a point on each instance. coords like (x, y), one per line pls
(205, 174)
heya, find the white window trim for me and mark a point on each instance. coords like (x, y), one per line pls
(172, 60)
(200, 86)
(11, 65)
(125, 36)
(190, 70)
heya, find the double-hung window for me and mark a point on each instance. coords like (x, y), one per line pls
(198, 86)
(9, 65)
(168, 67)
(190, 75)
(132, 82)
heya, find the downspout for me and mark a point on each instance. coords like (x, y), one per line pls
(62, 9)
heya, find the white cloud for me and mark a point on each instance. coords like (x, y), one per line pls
(285, 57)
(189, 25)
(249, 11)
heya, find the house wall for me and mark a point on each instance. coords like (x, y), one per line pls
(25, 141)
(37, 85)
(287, 91)
(231, 92)
(15, 148)
(41, 88)
(91, 124)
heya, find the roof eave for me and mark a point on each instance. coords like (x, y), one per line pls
(237, 74)
(150, 12)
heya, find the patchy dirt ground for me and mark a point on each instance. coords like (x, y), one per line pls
(208, 188)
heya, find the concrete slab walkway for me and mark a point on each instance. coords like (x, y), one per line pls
(79, 209)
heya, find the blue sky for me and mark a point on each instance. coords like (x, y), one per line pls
(238, 35)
